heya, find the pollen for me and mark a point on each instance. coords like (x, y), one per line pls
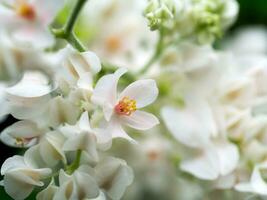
(25, 10)
(126, 106)
(20, 142)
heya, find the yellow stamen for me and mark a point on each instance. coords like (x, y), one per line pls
(126, 106)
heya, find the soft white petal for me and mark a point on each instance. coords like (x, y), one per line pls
(115, 129)
(144, 92)
(105, 91)
(16, 189)
(186, 126)
(48, 193)
(117, 173)
(204, 167)
(228, 157)
(83, 141)
(84, 123)
(140, 120)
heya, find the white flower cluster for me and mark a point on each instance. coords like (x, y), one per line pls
(68, 114)
(70, 105)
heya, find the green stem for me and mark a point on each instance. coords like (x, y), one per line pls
(67, 32)
(158, 50)
(76, 163)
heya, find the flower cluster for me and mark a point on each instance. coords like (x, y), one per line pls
(149, 62)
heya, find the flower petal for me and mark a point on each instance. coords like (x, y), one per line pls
(140, 120)
(116, 172)
(204, 167)
(192, 126)
(144, 92)
(24, 130)
(105, 92)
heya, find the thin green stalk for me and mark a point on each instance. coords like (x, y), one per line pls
(67, 32)
(76, 163)
(158, 50)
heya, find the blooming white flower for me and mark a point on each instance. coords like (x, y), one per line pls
(128, 45)
(113, 177)
(78, 69)
(80, 185)
(22, 174)
(257, 183)
(81, 137)
(28, 20)
(21, 134)
(122, 109)
(28, 98)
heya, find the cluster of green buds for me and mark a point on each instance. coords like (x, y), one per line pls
(202, 20)
(159, 13)
(206, 15)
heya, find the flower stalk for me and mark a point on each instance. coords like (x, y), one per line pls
(67, 32)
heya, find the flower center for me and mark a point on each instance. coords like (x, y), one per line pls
(25, 10)
(126, 106)
(20, 142)
(113, 43)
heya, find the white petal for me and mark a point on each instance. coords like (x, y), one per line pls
(62, 111)
(228, 157)
(15, 162)
(83, 141)
(86, 185)
(257, 181)
(115, 129)
(49, 6)
(16, 189)
(140, 120)
(116, 172)
(144, 92)
(85, 82)
(204, 167)
(186, 126)
(32, 157)
(105, 92)
(84, 123)
(22, 129)
(48, 193)
(51, 148)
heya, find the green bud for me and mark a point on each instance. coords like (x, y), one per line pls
(159, 12)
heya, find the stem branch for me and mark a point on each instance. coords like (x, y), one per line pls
(67, 32)
(76, 163)
(158, 50)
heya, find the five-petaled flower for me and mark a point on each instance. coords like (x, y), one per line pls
(123, 109)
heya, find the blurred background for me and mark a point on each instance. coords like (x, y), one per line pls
(252, 13)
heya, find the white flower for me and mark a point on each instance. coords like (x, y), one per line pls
(79, 186)
(81, 137)
(50, 148)
(60, 110)
(21, 174)
(48, 193)
(195, 128)
(123, 109)
(129, 45)
(28, 20)
(257, 183)
(248, 41)
(21, 134)
(28, 98)
(78, 69)
(113, 177)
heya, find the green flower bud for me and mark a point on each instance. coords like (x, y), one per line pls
(159, 12)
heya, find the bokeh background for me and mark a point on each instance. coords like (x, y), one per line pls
(252, 13)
